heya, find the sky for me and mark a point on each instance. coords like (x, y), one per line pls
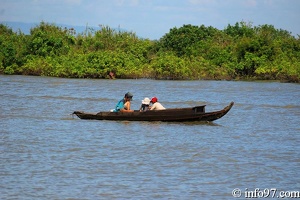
(152, 19)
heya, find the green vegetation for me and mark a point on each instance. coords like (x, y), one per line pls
(240, 51)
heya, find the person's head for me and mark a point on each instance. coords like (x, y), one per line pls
(146, 101)
(128, 96)
(154, 100)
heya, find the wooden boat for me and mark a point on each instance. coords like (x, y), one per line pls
(173, 115)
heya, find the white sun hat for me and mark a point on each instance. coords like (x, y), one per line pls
(146, 101)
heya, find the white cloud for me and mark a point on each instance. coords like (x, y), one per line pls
(134, 2)
(126, 2)
(250, 3)
(201, 2)
(152, 18)
(73, 2)
(119, 2)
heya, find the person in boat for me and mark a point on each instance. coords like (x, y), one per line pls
(156, 105)
(124, 104)
(145, 104)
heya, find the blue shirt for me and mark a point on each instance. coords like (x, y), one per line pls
(120, 105)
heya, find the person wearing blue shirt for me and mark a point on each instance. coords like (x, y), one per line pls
(124, 104)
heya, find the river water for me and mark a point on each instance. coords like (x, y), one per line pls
(46, 153)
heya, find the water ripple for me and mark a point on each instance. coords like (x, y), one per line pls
(47, 154)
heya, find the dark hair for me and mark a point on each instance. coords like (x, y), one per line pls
(128, 95)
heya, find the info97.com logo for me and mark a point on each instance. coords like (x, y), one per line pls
(264, 193)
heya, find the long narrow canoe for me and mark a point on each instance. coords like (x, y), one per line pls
(173, 115)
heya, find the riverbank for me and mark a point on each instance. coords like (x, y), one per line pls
(186, 53)
(247, 79)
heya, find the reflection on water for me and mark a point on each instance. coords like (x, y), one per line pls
(48, 154)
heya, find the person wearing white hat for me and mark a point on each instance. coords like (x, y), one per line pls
(145, 104)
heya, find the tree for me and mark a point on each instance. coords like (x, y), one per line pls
(180, 39)
(49, 40)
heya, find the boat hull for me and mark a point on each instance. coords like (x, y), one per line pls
(172, 115)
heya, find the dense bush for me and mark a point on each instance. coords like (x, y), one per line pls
(190, 52)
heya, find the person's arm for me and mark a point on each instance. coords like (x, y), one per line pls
(141, 108)
(153, 106)
(123, 110)
(127, 105)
